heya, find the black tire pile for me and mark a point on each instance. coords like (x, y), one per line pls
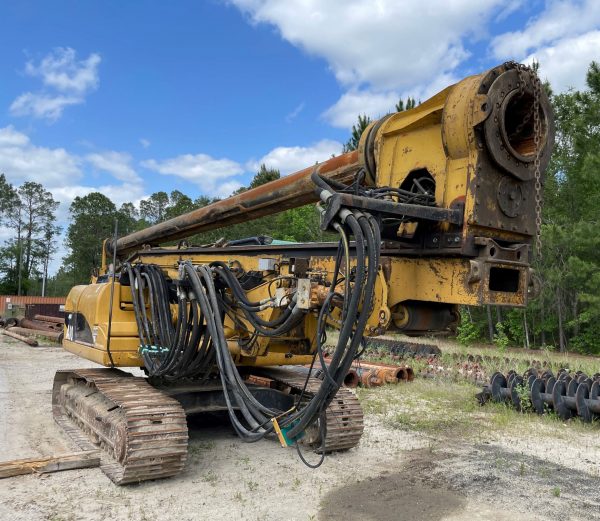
(567, 394)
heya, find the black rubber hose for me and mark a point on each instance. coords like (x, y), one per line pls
(327, 390)
(207, 299)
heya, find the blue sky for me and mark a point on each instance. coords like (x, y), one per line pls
(133, 97)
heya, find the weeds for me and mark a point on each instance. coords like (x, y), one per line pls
(199, 447)
(523, 394)
(210, 477)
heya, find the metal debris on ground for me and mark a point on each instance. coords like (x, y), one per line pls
(43, 326)
(374, 374)
(16, 336)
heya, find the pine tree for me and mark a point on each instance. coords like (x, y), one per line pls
(357, 131)
(410, 104)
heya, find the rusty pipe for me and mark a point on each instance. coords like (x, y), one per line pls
(57, 336)
(399, 373)
(369, 377)
(351, 380)
(288, 192)
(47, 318)
(384, 374)
(373, 374)
(27, 340)
(38, 325)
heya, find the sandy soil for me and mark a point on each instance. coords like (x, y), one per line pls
(393, 474)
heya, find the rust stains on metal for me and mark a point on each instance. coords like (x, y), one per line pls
(57, 336)
(389, 373)
(40, 325)
(52, 320)
(32, 342)
(282, 194)
(352, 379)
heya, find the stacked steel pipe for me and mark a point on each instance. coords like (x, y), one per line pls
(568, 395)
(373, 374)
(44, 326)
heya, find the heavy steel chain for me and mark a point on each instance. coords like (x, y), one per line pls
(537, 130)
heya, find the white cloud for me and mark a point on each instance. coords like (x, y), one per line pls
(61, 173)
(42, 105)
(117, 193)
(291, 159)
(22, 161)
(566, 63)
(292, 115)
(226, 189)
(68, 81)
(144, 142)
(118, 164)
(62, 71)
(345, 111)
(377, 50)
(55, 168)
(559, 20)
(509, 8)
(211, 175)
(388, 44)
(564, 38)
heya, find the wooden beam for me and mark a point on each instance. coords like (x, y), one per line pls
(74, 460)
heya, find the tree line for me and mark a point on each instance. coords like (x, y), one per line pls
(92, 218)
(566, 316)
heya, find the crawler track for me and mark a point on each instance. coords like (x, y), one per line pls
(344, 414)
(143, 432)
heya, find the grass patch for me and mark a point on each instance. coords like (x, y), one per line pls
(196, 448)
(428, 406)
(518, 359)
(449, 408)
(210, 477)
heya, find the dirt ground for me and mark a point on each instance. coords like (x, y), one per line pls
(414, 462)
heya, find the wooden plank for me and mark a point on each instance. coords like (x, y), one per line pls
(74, 460)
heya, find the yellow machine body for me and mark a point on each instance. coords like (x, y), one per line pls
(463, 141)
(449, 281)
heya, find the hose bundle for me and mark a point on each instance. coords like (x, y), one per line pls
(205, 294)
